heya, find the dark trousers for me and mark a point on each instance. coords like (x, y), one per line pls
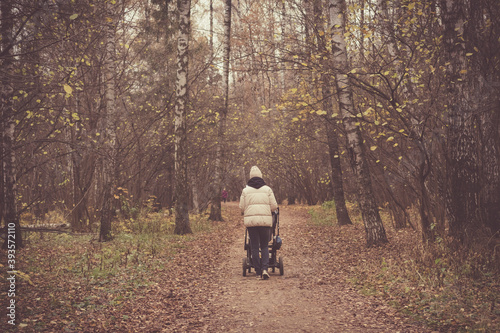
(259, 240)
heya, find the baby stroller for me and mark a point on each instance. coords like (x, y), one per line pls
(273, 248)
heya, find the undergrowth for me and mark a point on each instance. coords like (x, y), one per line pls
(64, 273)
(323, 216)
(449, 290)
(146, 241)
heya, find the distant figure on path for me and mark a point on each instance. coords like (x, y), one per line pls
(257, 202)
(224, 195)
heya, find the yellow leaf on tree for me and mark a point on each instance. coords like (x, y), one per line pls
(68, 89)
(368, 111)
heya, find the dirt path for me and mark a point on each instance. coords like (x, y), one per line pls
(298, 301)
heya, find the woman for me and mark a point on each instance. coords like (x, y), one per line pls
(257, 202)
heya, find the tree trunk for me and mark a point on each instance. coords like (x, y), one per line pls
(491, 168)
(211, 40)
(10, 216)
(215, 211)
(281, 58)
(375, 232)
(338, 186)
(2, 155)
(490, 118)
(79, 174)
(76, 159)
(212, 70)
(109, 130)
(182, 225)
(462, 160)
(331, 133)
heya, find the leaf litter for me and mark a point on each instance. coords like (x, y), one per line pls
(196, 284)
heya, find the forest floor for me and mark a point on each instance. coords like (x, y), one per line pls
(311, 296)
(195, 284)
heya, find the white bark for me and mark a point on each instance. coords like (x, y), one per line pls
(109, 126)
(331, 130)
(375, 232)
(182, 225)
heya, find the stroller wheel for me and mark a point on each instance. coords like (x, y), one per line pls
(244, 266)
(282, 271)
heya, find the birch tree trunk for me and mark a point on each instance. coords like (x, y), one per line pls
(331, 132)
(109, 130)
(211, 71)
(211, 39)
(182, 225)
(8, 124)
(375, 232)
(215, 211)
(281, 57)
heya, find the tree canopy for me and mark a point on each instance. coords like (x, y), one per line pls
(89, 108)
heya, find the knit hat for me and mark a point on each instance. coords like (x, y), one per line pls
(255, 172)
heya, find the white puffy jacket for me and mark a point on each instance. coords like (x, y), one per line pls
(257, 205)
